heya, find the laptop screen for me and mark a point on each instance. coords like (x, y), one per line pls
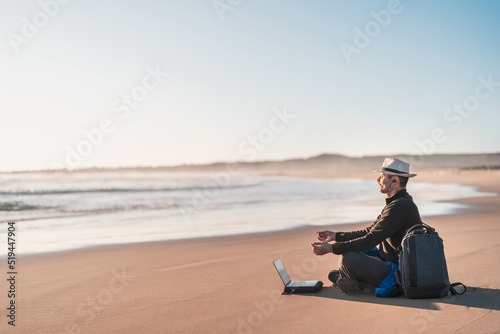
(281, 270)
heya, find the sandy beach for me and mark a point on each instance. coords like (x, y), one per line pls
(229, 285)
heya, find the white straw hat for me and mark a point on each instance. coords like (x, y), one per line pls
(395, 167)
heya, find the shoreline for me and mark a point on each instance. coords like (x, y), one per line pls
(296, 229)
(433, 177)
(474, 204)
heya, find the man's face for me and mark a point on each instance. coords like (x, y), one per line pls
(384, 182)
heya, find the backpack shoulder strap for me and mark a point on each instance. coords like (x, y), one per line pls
(454, 291)
(427, 228)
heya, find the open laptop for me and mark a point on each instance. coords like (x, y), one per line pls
(295, 286)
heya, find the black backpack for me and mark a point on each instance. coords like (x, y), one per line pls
(422, 265)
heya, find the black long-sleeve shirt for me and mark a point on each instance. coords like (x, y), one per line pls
(388, 230)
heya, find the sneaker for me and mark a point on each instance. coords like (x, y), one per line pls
(349, 285)
(333, 276)
(368, 288)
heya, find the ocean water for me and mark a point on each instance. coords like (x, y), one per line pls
(61, 211)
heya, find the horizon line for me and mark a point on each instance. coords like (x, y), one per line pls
(207, 164)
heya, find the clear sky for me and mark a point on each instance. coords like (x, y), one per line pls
(126, 83)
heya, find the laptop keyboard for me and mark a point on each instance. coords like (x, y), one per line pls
(297, 284)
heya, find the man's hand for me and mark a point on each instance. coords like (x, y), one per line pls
(326, 236)
(321, 248)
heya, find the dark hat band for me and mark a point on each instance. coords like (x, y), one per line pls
(394, 171)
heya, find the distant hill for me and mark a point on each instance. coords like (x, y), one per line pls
(335, 163)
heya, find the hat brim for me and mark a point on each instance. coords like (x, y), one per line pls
(391, 173)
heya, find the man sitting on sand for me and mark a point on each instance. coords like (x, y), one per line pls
(363, 264)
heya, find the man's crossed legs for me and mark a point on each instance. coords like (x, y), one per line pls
(358, 271)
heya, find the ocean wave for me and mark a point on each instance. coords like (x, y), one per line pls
(71, 213)
(120, 208)
(119, 190)
(16, 206)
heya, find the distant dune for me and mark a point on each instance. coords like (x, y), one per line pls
(331, 163)
(340, 163)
